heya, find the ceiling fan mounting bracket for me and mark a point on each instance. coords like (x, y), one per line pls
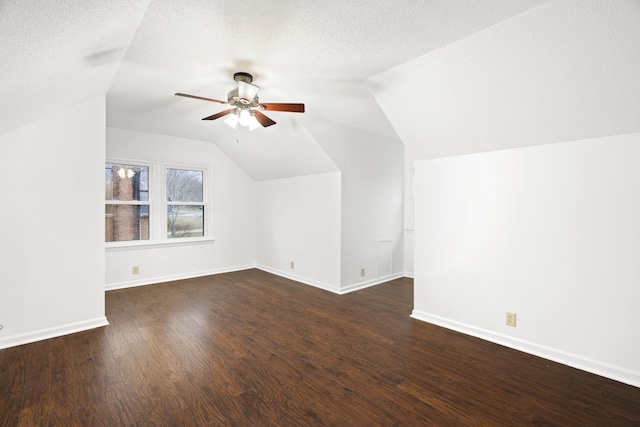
(241, 76)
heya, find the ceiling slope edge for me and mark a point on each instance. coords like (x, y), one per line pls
(61, 54)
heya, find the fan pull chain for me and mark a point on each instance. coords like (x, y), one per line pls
(237, 127)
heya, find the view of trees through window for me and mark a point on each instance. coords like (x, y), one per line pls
(131, 214)
(185, 207)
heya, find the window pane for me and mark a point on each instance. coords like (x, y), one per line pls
(184, 185)
(126, 222)
(185, 221)
(126, 182)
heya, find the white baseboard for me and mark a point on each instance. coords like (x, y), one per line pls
(281, 273)
(173, 277)
(300, 279)
(606, 370)
(330, 288)
(369, 283)
(58, 331)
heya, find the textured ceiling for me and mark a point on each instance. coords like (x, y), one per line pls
(57, 54)
(140, 53)
(318, 53)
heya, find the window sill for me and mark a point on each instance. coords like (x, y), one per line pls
(136, 245)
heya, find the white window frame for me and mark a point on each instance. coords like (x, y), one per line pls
(152, 189)
(158, 204)
(206, 202)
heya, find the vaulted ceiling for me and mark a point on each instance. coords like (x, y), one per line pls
(344, 60)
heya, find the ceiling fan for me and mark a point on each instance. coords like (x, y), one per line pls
(247, 110)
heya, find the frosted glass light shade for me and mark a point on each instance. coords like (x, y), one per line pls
(231, 120)
(245, 118)
(253, 123)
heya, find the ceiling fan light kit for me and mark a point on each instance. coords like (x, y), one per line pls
(246, 107)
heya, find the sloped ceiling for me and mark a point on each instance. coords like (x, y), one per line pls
(140, 53)
(60, 53)
(564, 71)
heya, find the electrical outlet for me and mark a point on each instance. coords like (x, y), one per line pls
(362, 272)
(292, 265)
(135, 270)
(511, 319)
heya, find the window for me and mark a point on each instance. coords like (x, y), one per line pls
(185, 210)
(127, 202)
(140, 197)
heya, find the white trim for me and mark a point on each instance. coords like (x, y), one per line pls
(299, 279)
(146, 244)
(174, 277)
(152, 194)
(58, 331)
(369, 283)
(207, 198)
(576, 361)
(158, 205)
(378, 242)
(324, 286)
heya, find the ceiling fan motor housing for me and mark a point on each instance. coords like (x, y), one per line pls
(236, 101)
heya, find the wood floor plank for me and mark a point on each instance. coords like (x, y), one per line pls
(35, 400)
(12, 383)
(250, 348)
(62, 391)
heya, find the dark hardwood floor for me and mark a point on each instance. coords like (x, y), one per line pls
(253, 349)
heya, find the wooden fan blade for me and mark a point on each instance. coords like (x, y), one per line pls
(202, 98)
(220, 114)
(292, 108)
(264, 120)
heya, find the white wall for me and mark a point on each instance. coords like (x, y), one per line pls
(234, 220)
(564, 71)
(298, 219)
(372, 207)
(408, 215)
(408, 253)
(51, 225)
(551, 233)
(371, 199)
